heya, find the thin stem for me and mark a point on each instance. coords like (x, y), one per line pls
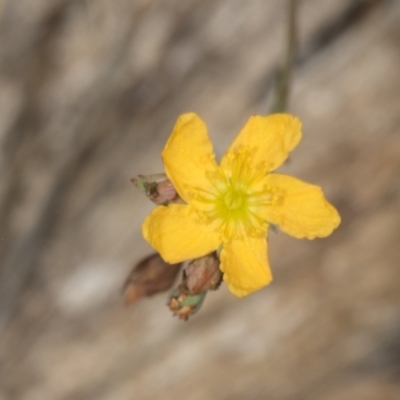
(282, 92)
(2, 4)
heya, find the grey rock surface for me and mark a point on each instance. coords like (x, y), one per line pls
(89, 92)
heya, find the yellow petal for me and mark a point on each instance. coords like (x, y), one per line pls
(178, 234)
(188, 156)
(267, 141)
(245, 265)
(300, 209)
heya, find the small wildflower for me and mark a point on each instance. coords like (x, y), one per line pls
(229, 207)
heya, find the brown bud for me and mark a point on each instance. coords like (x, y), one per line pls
(183, 304)
(151, 275)
(199, 276)
(158, 188)
(203, 274)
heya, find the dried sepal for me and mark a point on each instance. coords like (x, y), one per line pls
(158, 188)
(151, 275)
(183, 304)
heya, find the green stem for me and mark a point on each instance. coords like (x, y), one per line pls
(282, 92)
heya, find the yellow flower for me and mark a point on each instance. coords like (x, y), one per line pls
(230, 206)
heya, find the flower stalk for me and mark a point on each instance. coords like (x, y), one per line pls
(285, 72)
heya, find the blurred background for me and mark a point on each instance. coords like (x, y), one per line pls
(89, 93)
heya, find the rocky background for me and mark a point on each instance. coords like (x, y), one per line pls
(89, 92)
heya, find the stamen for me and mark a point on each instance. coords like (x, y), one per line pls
(237, 197)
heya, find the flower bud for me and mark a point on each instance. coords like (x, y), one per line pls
(199, 276)
(183, 304)
(151, 275)
(158, 188)
(203, 274)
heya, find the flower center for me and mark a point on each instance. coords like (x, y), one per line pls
(234, 199)
(231, 203)
(239, 199)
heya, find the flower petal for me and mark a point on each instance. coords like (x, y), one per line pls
(188, 156)
(300, 209)
(267, 141)
(245, 265)
(178, 234)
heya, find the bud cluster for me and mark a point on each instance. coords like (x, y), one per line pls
(153, 275)
(199, 276)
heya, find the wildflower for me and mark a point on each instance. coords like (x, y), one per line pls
(229, 207)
